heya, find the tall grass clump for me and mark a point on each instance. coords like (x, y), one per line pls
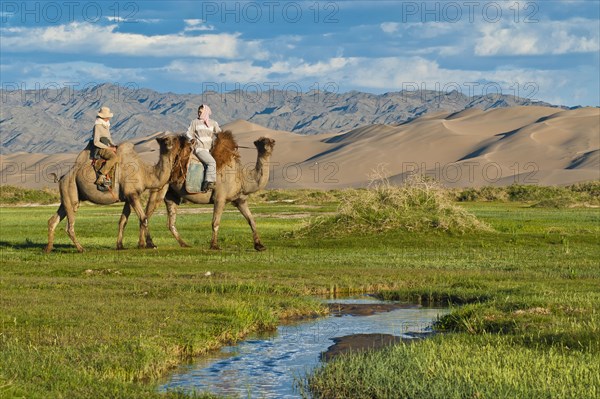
(418, 205)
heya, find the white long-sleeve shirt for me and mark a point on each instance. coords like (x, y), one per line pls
(203, 134)
(101, 130)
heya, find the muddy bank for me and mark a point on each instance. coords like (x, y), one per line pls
(365, 309)
(365, 342)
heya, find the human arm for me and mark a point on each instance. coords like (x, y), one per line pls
(102, 137)
(216, 127)
(190, 133)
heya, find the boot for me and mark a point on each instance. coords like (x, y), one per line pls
(100, 180)
(207, 186)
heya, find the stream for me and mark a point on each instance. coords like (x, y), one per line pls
(268, 365)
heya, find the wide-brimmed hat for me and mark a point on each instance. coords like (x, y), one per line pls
(105, 113)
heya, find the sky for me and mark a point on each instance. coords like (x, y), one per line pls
(541, 50)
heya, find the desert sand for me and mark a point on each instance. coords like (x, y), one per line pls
(526, 145)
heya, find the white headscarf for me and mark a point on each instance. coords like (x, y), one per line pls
(205, 114)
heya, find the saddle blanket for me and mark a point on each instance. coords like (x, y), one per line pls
(194, 177)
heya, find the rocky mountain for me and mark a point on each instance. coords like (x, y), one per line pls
(503, 146)
(58, 121)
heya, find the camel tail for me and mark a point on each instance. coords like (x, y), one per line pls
(56, 179)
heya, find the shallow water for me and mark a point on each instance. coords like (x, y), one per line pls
(266, 365)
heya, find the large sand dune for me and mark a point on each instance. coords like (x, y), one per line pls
(530, 145)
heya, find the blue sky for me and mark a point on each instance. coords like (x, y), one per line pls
(543, 50)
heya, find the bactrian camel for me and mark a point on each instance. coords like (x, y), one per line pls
(234, 184)
(133, 178)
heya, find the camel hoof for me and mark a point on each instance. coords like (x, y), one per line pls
(215, 247)
(259, 247)
(47, 250)
(120, 248)
(184, 245)
(80, 250)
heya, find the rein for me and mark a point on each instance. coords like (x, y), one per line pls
(179, 165)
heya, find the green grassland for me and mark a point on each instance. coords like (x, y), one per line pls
(110, 324)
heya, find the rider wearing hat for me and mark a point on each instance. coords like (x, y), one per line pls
(104, 146)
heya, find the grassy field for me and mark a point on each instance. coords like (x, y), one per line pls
(110, 324)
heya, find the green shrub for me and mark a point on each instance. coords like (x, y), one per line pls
(11, 195)
(562, 201)
(487, 193)
(591, 188)
(580, 194)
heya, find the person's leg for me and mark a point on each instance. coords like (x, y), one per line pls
(111, 159)
(210, 164)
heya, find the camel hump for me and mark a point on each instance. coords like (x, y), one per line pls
(227, 136)
(125, 147)
(225, 149)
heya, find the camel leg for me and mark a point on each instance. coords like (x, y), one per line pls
(71, 226)
(216, 221)
(153, 201)
(52, 223)
(122, 223)
(136, 203)
(171, 221)
(242, 205)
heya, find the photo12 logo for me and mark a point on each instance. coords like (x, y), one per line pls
(265, 92)
(455, 91)
(471, 172)
(469, 11)
(270, 12)
(90, 92)
(55, 12)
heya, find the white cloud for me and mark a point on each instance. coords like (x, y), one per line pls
(74, 74)
(192, 25)
(86, 38)
(552, 37)
(359, 73)
(371, 74)
(390, 27)
(243, 72)
(116, 19)
(213, 71)
(132, 20)
(394, 74)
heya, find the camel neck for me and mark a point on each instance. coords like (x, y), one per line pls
(159, 174)
(262, 170)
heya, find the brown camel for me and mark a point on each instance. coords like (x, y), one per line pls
(133, 177)
(234, 184)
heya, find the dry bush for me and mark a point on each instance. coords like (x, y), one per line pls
(418, 205)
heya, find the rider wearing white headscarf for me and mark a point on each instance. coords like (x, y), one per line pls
(203, 130)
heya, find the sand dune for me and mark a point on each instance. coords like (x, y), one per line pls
(531, 145)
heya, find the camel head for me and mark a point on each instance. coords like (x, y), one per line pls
(264, 145)
(167, 143)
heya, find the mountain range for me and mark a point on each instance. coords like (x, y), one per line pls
(472, 147)
(61, 120)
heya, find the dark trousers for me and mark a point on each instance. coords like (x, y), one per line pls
(111, 158)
